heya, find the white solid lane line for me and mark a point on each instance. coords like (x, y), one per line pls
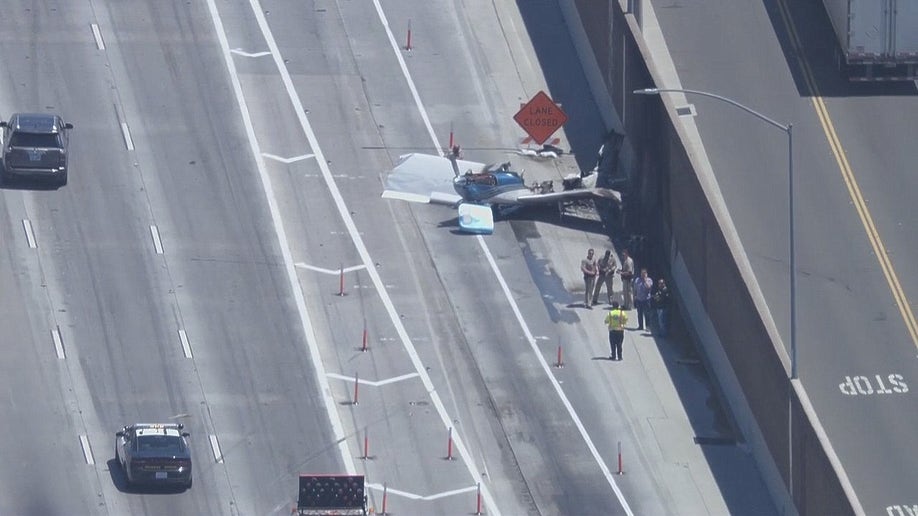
(404, 67)
(328, 401)
(300, 112)
(607, 473)
(570, 409)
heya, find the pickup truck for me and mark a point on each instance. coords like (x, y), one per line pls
(35, 147)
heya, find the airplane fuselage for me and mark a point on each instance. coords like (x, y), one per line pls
(482, 187)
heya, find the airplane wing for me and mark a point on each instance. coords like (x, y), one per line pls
(579, 193)
(426, 179)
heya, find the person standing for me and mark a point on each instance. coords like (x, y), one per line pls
(627, 275)
(589, 269)
(643, 287)
(661, 302)
(607, 266)
(615, 321)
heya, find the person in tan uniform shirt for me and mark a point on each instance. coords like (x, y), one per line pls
(607, 265)
(627, 274)
(589, 270)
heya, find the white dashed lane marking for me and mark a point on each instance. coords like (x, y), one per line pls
(58, 343)
(157, 243)
(126, 132)
(87, 450)
(30, 236)
(218, 455)
(186, 346)
(97, 34)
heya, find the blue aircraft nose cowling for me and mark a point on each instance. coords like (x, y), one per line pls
(476, 218)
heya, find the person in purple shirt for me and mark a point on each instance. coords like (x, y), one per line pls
(643, 288)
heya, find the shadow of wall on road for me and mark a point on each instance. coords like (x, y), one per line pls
(586, 131)
(667, 209)
(567, 83)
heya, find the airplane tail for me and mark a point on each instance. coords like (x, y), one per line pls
(454, 154)
(607, 158)
(606, 162)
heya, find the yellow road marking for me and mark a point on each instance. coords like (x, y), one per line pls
(854, 190)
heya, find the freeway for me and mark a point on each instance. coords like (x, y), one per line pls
(181, 165)
(856, 244)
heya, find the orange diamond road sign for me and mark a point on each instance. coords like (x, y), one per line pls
(540, 117)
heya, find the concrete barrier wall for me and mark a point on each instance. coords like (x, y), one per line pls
(682, 212)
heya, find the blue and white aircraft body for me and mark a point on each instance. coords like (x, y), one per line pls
(478, 190)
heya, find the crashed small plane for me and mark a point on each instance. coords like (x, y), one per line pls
(480, 191)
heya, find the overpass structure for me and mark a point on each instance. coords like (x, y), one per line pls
(711, 183)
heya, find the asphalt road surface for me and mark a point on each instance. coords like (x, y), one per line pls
(118, 304)
(855, 218)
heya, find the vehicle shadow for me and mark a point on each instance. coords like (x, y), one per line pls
(453, 223)
(7, 183)
(119, 480)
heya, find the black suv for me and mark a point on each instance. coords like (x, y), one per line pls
(35, 147)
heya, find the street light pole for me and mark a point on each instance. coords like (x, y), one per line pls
(793, 253)
(790, 180)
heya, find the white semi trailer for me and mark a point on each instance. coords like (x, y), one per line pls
(878, 39)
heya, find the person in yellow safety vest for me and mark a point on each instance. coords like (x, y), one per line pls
(615, 320)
